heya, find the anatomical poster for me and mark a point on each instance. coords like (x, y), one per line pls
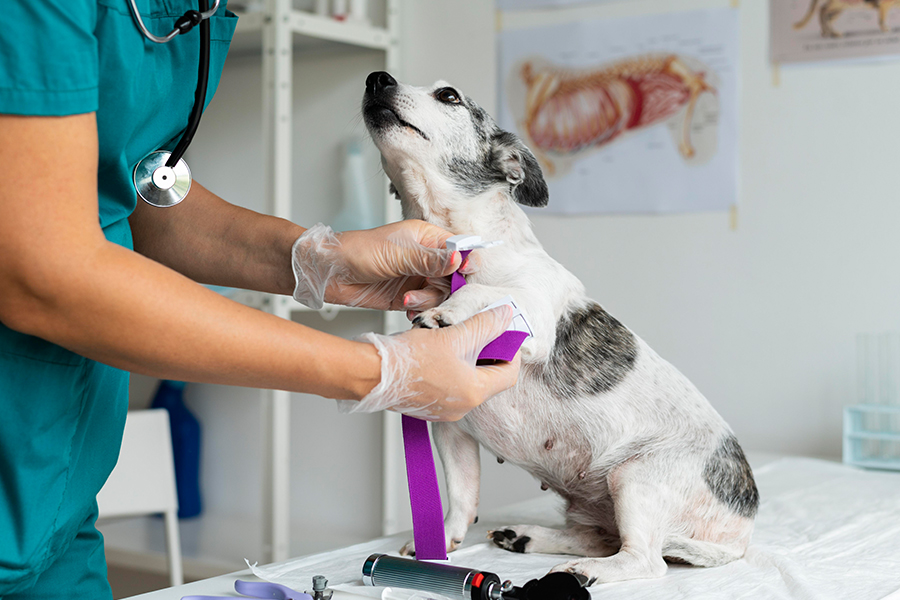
(813, 30)
(628, 115)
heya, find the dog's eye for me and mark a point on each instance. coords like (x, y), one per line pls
(447, 95)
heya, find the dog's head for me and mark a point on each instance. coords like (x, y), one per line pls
(449, 140)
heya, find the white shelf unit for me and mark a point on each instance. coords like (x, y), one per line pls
(285, 31)
(276, 35)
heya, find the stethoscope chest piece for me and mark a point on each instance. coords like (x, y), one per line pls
(160, 185)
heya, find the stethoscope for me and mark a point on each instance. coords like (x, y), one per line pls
(162, 178)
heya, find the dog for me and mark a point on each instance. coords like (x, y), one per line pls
(832, 8)
(649, 470)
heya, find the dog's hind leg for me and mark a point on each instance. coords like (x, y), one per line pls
(700, 553)
(580, 540)
(642, 518)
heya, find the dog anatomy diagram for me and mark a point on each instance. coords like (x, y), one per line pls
(632, 114)
(813, 30)
(832, 9)
(569, 112)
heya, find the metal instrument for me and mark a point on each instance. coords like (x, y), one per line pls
(462, 583)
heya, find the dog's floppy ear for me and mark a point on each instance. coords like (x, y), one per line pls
(521, 169)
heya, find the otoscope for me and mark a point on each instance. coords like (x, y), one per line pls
(461, 583)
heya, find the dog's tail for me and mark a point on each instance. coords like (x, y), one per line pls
(699, 553)
(812, 9)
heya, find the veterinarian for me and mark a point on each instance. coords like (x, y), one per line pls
(95, 283)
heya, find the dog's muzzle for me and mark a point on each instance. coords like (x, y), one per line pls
(378, 103)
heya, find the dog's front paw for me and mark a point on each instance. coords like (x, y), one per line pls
(508, 539)
(409, 548)
(618, 567)
(441, 316)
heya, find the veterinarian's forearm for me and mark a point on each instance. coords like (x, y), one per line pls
(213, 241)
(143, 317)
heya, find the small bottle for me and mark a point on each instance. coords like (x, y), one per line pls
(359, 11)
(339, 9)
(357, 211)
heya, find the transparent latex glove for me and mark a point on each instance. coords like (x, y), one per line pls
(431, 373)
(399, 266)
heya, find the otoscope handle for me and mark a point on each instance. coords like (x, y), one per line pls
(454, 582)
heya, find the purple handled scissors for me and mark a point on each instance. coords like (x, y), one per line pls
(258, 589)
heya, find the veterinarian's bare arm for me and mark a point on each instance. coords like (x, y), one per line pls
(213, 241)
(61, 280)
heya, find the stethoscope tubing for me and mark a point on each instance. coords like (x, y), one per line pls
(205, 14)
(199, 92)
(168, 184)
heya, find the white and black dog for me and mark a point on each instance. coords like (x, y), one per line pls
(648, 468)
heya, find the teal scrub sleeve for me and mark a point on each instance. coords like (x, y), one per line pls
(49, 60)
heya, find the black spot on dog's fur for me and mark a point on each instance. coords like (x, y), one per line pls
(593, 352)
(481, 121)
(504, 160)
(473, 177)
(521, 170)
(519, 544)
(730, 479)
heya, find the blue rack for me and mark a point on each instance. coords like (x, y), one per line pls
(872, 436)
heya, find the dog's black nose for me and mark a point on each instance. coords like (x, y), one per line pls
(379, 81)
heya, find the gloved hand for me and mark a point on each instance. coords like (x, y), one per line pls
(431, 373)
(397, 266)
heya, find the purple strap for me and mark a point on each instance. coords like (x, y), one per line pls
(424, 495)
(457, 280)
(258, 589)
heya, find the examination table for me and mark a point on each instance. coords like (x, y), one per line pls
(824, 531)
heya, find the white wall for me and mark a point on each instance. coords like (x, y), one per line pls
(762, 318)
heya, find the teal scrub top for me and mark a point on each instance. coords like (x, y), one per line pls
(62, 415)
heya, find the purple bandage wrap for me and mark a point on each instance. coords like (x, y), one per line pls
(424, 495)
